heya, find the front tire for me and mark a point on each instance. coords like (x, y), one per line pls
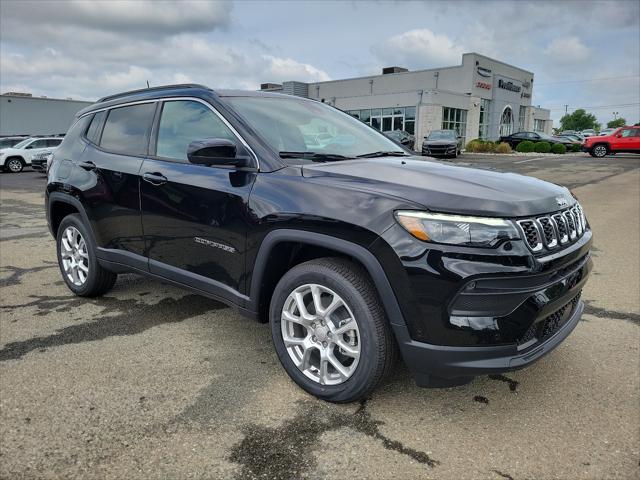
(77, 259)
(599, 150)
(330, 331)
(14, 165)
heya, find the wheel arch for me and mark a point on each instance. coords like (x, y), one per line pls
(284, 248)
(59, 205)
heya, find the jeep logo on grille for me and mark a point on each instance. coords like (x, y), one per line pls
(562, 202)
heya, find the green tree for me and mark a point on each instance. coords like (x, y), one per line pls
(618, 122)
(579, 120)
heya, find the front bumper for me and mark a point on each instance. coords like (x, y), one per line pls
(438, 366)
(39, 165)
(439, 150)
(468, 312)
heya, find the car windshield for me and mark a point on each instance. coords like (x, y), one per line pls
(442, 135)
(308, 129)
(22, 143)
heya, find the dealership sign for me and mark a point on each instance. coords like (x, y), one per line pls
(483, 72)
(509, 86)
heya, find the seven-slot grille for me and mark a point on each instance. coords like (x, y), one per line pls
(555, 230)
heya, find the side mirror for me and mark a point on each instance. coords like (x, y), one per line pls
(618, 135)
(29, 147)
(214, 151)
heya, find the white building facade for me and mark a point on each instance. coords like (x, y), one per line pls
(23, 114)
(481, 98)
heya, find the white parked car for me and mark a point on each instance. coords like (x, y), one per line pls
(15, 158)
(589, 132)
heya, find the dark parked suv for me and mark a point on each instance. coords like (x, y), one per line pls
(351, 251)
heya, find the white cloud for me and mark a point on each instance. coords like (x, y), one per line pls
(289, 69)
(420, 48)
(568, 50)
(134, 18)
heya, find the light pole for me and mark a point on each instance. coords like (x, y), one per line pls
(615, 115)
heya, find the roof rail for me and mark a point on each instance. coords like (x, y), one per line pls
(151, 89)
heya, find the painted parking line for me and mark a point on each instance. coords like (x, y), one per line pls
(530, 159)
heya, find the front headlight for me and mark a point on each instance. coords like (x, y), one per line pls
(456, 229)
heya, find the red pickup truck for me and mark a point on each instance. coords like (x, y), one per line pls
(624, 139)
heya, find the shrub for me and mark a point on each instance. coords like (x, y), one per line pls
(503, 148)
(542, 147)
(489, 147)
(575, 148)
(525, 146)
(558, 148)
(473, 145)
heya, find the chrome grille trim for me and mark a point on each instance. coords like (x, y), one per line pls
(561, 227)
(532, 235)
(571, 223)
(549, 232)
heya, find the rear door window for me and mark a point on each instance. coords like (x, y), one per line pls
(54, 142)
(127, 129)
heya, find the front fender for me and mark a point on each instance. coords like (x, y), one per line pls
(358, 252)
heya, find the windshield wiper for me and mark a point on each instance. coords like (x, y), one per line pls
(313, 155)
(391, 153)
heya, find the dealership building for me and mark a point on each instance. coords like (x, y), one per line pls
(481, 98)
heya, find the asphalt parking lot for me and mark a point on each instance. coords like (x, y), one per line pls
(154, 382)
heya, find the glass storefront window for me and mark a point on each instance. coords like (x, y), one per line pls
(506, 122)
(388, 119)
(521, 118)
(410, 113)
(483, 133)
(455, 119)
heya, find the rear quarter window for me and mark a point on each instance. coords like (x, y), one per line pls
(127, 129)
(95, 128)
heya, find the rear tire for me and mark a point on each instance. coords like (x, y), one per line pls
(77, 259)
(14, 165)
(321, 282)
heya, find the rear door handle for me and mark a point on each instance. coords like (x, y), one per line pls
(154, 178)
(87, 165)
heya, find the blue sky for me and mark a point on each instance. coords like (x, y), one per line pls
(583, 53)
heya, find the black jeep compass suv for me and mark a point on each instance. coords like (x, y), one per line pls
(351, 248)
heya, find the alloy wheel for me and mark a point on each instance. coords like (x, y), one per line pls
(320, 334)
(75, 256)
(14, 165)
(600, 151)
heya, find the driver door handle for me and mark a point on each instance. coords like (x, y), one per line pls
(154, 178)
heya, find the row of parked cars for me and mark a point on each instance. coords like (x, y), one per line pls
(609, 142)
(19, 152)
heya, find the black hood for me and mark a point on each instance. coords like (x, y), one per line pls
(446, 188)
